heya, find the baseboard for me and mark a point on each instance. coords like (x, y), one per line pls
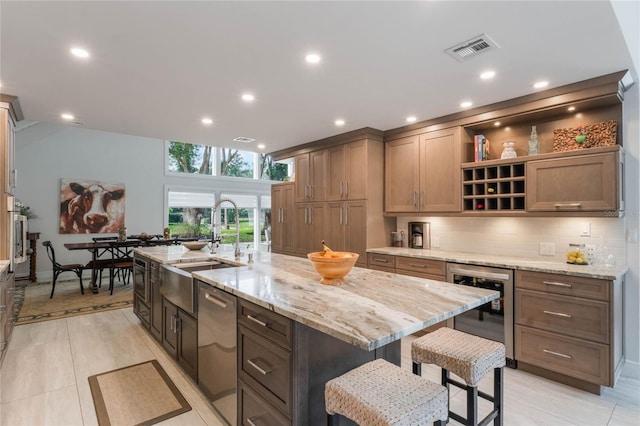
(631, 369)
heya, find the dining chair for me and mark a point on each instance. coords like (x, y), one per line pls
(102, 258)
(59, 268)
(121, 261)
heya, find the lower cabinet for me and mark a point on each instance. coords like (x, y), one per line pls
(7, 310)
(421, 268)
(570, 326)
(155, 302)
(180, 337)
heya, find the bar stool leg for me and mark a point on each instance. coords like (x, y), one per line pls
(417, 368)
(472, 405)
(498, 392)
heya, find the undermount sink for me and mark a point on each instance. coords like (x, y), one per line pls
(177, 284)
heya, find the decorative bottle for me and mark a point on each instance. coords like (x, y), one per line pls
(534, 145)
(508, 151)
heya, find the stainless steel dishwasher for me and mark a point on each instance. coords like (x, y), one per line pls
(217, 347)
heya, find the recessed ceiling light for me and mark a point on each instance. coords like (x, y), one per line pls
(312, 58)
(80, 53)
(411, 119)
(261, 146)
(248, 97)
(497, 124)
(67, 116)
(487, 75)
(571, 108)
(207, 121)
(541, 84)
(466, 104)
(339, 122)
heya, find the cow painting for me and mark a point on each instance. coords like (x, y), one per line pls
(90, 207)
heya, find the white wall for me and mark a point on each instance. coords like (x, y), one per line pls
(47, 152)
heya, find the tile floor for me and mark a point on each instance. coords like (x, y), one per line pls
(43, 380)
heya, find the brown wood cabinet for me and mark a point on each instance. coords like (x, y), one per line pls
(568, 328)
(345, 177)
(8, 315)
(180, 337)
(578, 183)
(310, 227)
(282, 218)
(347, 228)
(381, 262)
(422, 172)
(310, 169)
(422, 268)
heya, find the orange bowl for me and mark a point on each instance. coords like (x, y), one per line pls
(333, 266)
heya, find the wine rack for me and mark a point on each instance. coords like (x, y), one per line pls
(498, 186)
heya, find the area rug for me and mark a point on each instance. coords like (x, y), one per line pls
(141, 394)
(68, 301)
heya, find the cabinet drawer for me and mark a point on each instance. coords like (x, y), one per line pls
(141, 310)
(268, 366)
(254, 410)
(384, 261)
(586, 319)
(577, 358)
(268, 324)
(592, 288)
(426, 266)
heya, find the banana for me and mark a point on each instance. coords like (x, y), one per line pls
(325, 249)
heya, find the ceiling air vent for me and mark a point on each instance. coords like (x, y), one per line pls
(472, 47)
(243, 139)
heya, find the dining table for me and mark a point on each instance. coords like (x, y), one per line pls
(98, 247)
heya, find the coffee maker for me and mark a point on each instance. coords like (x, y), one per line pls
(420, 235)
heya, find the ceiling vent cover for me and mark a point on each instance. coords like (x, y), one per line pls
(472, 47)
(243, 139)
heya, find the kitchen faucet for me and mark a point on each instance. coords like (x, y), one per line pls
(213, 226)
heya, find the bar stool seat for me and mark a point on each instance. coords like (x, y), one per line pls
(469, 357)
(381, 393)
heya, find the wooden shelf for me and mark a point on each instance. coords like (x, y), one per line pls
(494, 187)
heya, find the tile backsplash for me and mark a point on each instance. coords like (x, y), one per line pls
(521, 237)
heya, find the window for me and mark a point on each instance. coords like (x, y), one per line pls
(190, 213)
(191, 159)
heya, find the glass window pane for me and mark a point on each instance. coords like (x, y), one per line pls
(189, 158)
(190, 213)
(234, 162)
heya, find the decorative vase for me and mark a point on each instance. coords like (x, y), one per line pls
(534, 145)
(508, 151)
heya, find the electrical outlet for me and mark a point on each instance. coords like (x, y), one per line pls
(548, 249)
(590, 252)
(435, 242)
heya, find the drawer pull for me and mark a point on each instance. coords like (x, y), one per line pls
(256, 320)
(557, 284)
(557, 354)
(257, 367)
(418, 265)
(381, 260)
(560, 205)
(250, 422)
(215, 300)
(558, 314)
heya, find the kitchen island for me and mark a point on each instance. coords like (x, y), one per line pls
(322, 331)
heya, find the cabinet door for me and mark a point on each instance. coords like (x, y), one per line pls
(335, 226)
(156, 309)
(335, 173)
(7, 151)
(282, 218)
(355, 170)
(355, 229)
(169, 331)
(302, 170)
(188, 343)
(309, 228)
(580, 183)
(402, 175)
(317, 175)
(440, 160)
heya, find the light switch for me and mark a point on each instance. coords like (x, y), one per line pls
(585, 229)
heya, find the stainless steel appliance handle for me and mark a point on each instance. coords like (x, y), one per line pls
(257, 367)
(557, 284)
(480, 274)
(215, 300)
(558, 314)
(557, 354)
(256, 320)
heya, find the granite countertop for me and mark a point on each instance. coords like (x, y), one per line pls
(501, 261)
(370, 310)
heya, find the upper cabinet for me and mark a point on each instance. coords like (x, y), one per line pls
(311, 171)
(422, 172)
(345, 178)
(576, 170)
(10, 113)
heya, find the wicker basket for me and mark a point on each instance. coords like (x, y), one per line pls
(599, 134)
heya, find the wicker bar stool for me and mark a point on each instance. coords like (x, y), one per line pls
(471, 358)
(380, 393)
